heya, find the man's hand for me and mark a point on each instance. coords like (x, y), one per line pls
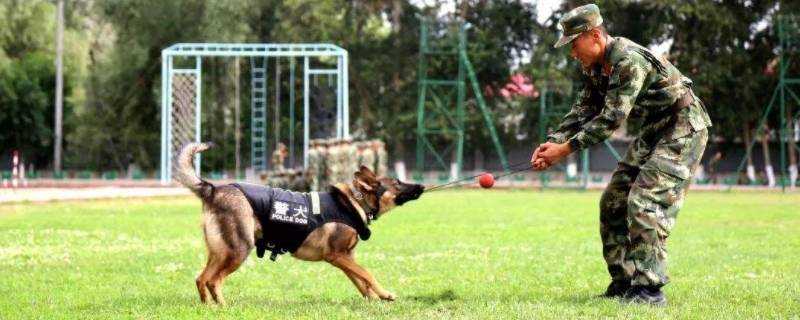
(549, 153)
(537, 162)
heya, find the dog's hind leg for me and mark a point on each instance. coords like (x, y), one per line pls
(238, 237)
(217, 251)
(201, 280)
(228, 266)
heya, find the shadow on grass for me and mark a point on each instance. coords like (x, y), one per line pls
(585, 299)
(430, 299)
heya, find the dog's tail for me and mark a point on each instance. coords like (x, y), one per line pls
(186, 174)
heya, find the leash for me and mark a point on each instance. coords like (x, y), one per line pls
(518, 167)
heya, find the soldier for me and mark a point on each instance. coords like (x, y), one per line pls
(624, 80)
(279, 156)
(381, 158)
(367, 155)
(314, 164)
(350, 159)
(323, 173)
(334, 161)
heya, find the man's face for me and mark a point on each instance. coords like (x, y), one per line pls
(588, 49)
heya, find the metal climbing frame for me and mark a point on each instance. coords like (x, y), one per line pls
(437, 113)
(181, 92)
(788, 29)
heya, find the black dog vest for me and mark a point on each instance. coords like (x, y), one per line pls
(288, 217)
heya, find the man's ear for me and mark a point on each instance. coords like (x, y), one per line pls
(596, 34)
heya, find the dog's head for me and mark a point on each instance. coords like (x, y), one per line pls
(382, 194)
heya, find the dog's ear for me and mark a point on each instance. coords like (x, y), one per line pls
(366, 171)
(365, 179)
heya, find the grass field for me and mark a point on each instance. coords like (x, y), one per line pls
(455, 254)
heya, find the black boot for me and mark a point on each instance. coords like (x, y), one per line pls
(645, 295)
(617, 288)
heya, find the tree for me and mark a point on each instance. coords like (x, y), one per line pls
(27, 78)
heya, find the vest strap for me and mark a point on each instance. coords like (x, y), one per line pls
(315, 207)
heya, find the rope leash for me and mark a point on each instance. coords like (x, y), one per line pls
(518, 167)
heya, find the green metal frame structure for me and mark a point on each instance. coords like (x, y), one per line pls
(435, 102)
(788, 28)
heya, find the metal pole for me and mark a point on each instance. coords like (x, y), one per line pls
(585, 168)
(164, 92)
(265, 94)
(291, 109)
(460, 93)
(421, 90)
(782, 85)
(305, 112)
(346, 95)
(276, 121)
(542, 122)
(236, 119)
(169, 119)
(197, 110)
(59, 86)
(339, 117)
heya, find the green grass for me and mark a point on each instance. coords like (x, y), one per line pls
(454, 254)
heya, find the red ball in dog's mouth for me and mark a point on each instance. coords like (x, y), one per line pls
(486, 180)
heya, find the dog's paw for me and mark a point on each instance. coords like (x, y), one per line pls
(371, 295)
(388, 296)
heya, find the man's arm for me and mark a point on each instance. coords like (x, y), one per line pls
(624, 86)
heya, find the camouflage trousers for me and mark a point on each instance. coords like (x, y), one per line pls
(641, 202)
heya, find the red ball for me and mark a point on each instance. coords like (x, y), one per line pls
(486, 180)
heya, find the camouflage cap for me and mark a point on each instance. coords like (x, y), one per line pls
(577, 21)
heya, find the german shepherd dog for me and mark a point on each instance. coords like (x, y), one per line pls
(231, 228)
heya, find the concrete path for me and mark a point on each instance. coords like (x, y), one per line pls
(8, 195)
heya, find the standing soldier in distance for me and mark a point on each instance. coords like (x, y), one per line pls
(335, 161)
(324, 171)
(350, 159)
(381, 158)
(313, 164)
(367, 155)
(279, 157)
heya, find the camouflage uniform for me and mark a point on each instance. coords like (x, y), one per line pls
(314, 166)
(324, 158)
(640, 203)
(334, 162)
(367, 157)
(278, 157)
(381, 158)
(350, 160)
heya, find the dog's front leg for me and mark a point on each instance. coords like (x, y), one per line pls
(362, 287)
(352, 269)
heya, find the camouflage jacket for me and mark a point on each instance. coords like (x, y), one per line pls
(640, 88)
